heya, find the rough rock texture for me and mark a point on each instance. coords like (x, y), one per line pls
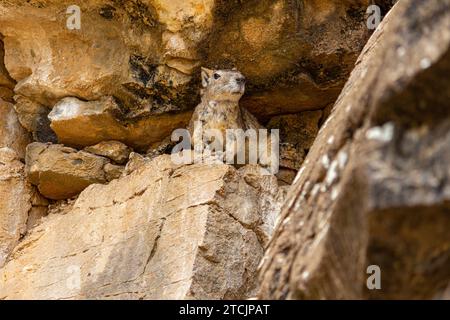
(113, 150)
(163, 232)
(6, 82)
(305, 48)
(12, 134)
(297, 134)
(135, 162)
(78, 123)
(34, 117)
(113, 171)
(39, 209)
(15, 202)
(379, 193)
(61, 172)
(147, 53)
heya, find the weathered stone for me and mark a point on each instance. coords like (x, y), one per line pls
(112, 171)
(297, 134)
(135, 162)
(60, 172)
(299, 130)
(159, 148)
(114, 150)
(38, 210)
(147, 53)
(374, 188)
(43, 55)
(12, 134)
(163, 232)
(78, 123)
(6, 82)
(15, 202)
(34, 117)
(61, 207)
(6, 94)
(307, 49)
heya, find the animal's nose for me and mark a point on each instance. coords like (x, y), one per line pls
(240, 80)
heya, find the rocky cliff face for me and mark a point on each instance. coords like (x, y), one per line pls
(374, 188)
(92, 206)
(163, 232)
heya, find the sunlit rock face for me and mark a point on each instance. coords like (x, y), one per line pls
(163, 232)
(17, 200)
(92, 206)
(147, 53)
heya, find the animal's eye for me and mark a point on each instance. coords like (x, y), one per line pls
(216, 76)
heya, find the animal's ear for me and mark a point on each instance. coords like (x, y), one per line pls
(206, 76)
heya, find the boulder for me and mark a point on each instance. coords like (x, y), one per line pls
(15, 202)
(372, 197)
(164, 232)
(61, 172)
(79, 124)
(39, 209)
(12, 134)
(113, 150)
(34, 117)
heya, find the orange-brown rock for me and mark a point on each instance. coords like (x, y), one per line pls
(6, 82)
(297, 134)
(60, 172)
(164, 232)
(15, 202)
(372, 197)
(12, 134)
(34, 117)
(113, 171)
(113, 150)
(79, 123)
(147, 53)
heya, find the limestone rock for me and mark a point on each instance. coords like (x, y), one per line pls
(15, 202)
(34, 117)
(6, 94)
(163, 147)
(297, 134)
(6, 82)
(374, 189)
(60, 172)
(306, 48)
(147, 53)
(78, 123)
(12, 134)
(113, 171)
(38, 210)
(135, 162)
(61, 207)
(163, 232)
(114, 150)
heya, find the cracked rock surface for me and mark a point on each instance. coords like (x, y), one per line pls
(20, 205)
(374, 189)
(147, 53)
(163, 232)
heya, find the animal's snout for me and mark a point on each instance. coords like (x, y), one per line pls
(240, 80)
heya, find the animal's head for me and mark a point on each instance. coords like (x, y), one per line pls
(223, 85)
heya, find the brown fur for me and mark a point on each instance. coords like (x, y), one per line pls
(219, 108)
